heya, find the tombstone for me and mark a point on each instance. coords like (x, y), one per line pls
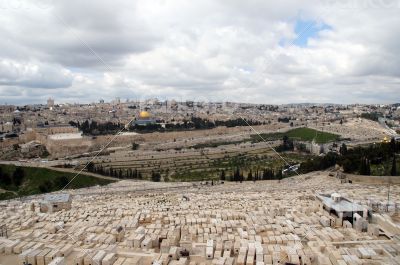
(58, 261)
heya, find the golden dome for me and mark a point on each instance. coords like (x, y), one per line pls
(144, 115)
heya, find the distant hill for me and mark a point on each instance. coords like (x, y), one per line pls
(24, 181)
(396, 105)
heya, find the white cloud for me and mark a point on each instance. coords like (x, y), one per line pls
(33, 75)
(226, 50)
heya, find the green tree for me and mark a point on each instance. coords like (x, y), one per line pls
(393, 171)
(5, 179)
(155, 176)
(343, 149)
(250, 176)
(222, 175)
(231, 178)
(393, 146)
(278, 174)
(135, 146)
(111, 172)
(90, 167)
(46, 186)
(362, 166)
(287, 144)
(241, 177)
(368, 167)
(60, 182)
(236, 175)
(365, 168)
(18, 176)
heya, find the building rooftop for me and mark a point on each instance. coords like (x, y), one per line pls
(65, 136)
(343, 205)
(64, 197)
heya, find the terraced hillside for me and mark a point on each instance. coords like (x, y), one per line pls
(196, 164)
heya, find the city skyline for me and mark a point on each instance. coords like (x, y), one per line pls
(57, 102)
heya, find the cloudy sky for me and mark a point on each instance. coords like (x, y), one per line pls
(259, 51)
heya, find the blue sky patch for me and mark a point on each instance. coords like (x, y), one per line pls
(305, 29)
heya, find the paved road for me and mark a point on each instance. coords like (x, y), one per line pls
(70, 170)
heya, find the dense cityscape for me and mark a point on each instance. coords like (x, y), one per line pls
(207, 183)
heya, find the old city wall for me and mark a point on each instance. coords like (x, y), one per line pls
(61, 148)
(384, 180)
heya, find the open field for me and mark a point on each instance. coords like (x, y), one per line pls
(307, 134)
(299, 134)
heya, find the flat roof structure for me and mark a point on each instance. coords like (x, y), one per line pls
(63, 197)
(342, 205)
(65, 136)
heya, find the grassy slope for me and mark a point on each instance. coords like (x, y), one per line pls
(307, 134)
(34, 177)
(301, 134)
